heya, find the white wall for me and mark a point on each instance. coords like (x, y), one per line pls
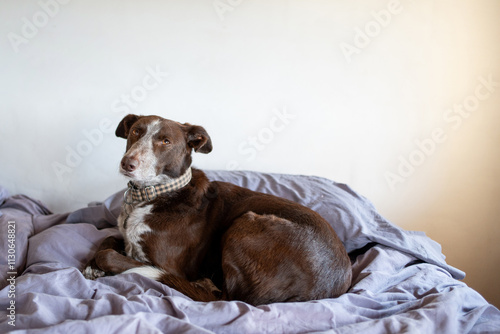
(373, 90)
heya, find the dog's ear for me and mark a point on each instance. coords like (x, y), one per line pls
(125, 125)
(198, 138)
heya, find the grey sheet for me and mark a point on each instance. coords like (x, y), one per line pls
(401, 280)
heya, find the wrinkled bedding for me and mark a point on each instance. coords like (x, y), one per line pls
(401, 282)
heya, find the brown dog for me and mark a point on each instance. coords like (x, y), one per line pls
(186, 232)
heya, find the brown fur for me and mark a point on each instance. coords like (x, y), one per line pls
(255, 247)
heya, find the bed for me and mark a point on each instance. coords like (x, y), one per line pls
(401, 282)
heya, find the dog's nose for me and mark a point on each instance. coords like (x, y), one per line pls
(129, 164)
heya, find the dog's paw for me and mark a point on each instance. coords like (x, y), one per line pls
(208, 285)
(92, 273)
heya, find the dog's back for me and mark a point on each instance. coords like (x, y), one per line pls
(276, 250)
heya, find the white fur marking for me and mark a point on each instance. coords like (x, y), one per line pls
(147, 271)
(143, 151)
(133, 232)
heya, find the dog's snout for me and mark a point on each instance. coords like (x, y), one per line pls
(129, 164)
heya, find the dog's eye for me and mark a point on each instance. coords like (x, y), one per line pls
(135, 132)
(165, 142)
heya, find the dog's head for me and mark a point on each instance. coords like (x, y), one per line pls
(158, 148)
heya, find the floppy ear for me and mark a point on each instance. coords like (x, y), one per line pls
(123, 128)
(198, 138)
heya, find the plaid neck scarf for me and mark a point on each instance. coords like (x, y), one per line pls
(149, 193)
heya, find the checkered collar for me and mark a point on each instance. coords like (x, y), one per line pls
(149, 193)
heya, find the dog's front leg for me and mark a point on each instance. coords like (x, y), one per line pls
(110, 261)
(92, 269)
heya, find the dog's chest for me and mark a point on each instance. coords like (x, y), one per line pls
(132, 226)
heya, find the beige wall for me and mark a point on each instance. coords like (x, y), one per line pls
(365, 85)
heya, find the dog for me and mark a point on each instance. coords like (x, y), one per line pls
(213, 240)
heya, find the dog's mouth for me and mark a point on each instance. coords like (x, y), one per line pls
(127, 174)
(140, 176)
